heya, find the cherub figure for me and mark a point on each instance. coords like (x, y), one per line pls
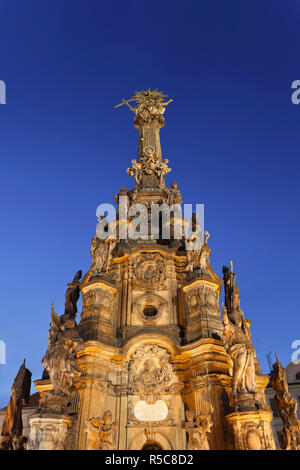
(101, 432)
(198, 428)
(136, 170)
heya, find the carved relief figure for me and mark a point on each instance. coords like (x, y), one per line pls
(198, 428)
(151, 372)
(202, 299)
(12, 426)
(149, 271)
(101, 432)
(240, 351)
(98, 301)
(253, 435)
(45, 435)
(287, 408)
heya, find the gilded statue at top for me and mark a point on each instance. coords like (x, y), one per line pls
(149, 105)
(287, 409)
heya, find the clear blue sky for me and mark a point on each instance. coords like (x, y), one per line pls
(232, 139)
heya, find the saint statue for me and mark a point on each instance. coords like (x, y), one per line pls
(240, 351)
(72, 296)
(172, 195)
(287, 409)
(229, 283)
(12, 426)
(99, 254)
(194, 244)
(60, 358)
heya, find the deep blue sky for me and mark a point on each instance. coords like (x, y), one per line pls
(232, 138)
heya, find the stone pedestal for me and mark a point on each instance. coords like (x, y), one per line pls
(252, 430)
(48, 431)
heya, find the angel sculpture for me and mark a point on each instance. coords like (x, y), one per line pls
(136, 170)
(198, 428)
(162, 171)
(100, 432)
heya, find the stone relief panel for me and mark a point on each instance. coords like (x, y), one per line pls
(98, 301)
(151, 373)
(47, 434)
(202, 299)
(253, 436)
(149, 271)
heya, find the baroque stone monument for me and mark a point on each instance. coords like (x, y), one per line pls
(150, 363)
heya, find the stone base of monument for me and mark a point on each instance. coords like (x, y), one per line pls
(54, 403)
(48, 431)
(244, 402)
(252, 429)
(6, 443)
